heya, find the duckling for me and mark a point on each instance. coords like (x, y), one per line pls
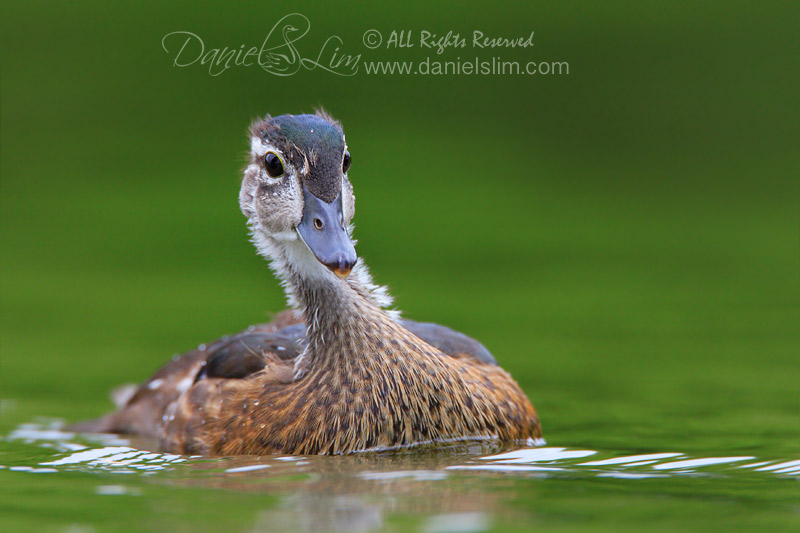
(339, 372)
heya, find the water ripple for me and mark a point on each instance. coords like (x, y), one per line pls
(112, 453)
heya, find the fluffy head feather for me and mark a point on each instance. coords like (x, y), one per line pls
(311, 148)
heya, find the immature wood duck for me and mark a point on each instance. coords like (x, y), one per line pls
(338, 373)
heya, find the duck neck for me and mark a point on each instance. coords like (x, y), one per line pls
(343, 324)
(343, 317)
(334, 309)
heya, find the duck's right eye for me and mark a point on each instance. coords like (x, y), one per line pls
(273, 165)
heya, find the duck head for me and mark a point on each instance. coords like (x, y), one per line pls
(296, 194)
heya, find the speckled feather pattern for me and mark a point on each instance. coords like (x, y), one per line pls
(371, 384)
(362, 380)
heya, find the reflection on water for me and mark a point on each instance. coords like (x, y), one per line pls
(446, 483)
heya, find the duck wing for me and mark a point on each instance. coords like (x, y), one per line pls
(268, 348)
(245, 353)
(233, 362)
(248, 353)
(449, 341)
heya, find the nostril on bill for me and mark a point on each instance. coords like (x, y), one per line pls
(318, 223)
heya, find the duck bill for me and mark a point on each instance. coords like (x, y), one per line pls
(322, 230)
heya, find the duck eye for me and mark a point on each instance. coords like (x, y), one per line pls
(346, 162)
(273, 165)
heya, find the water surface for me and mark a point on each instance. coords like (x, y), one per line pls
(97, 482)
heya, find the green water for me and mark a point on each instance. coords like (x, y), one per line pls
(459, 487)
(624, 239)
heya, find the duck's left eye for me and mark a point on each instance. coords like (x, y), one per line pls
(346, 162)
(273, 165)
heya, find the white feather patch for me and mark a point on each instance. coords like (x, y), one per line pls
(259, 147)
(286, 251)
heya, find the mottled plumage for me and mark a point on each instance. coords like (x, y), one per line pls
(341, 373)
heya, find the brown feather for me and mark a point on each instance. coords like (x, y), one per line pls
(363, 379)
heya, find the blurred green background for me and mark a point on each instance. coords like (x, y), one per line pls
(623, 238)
